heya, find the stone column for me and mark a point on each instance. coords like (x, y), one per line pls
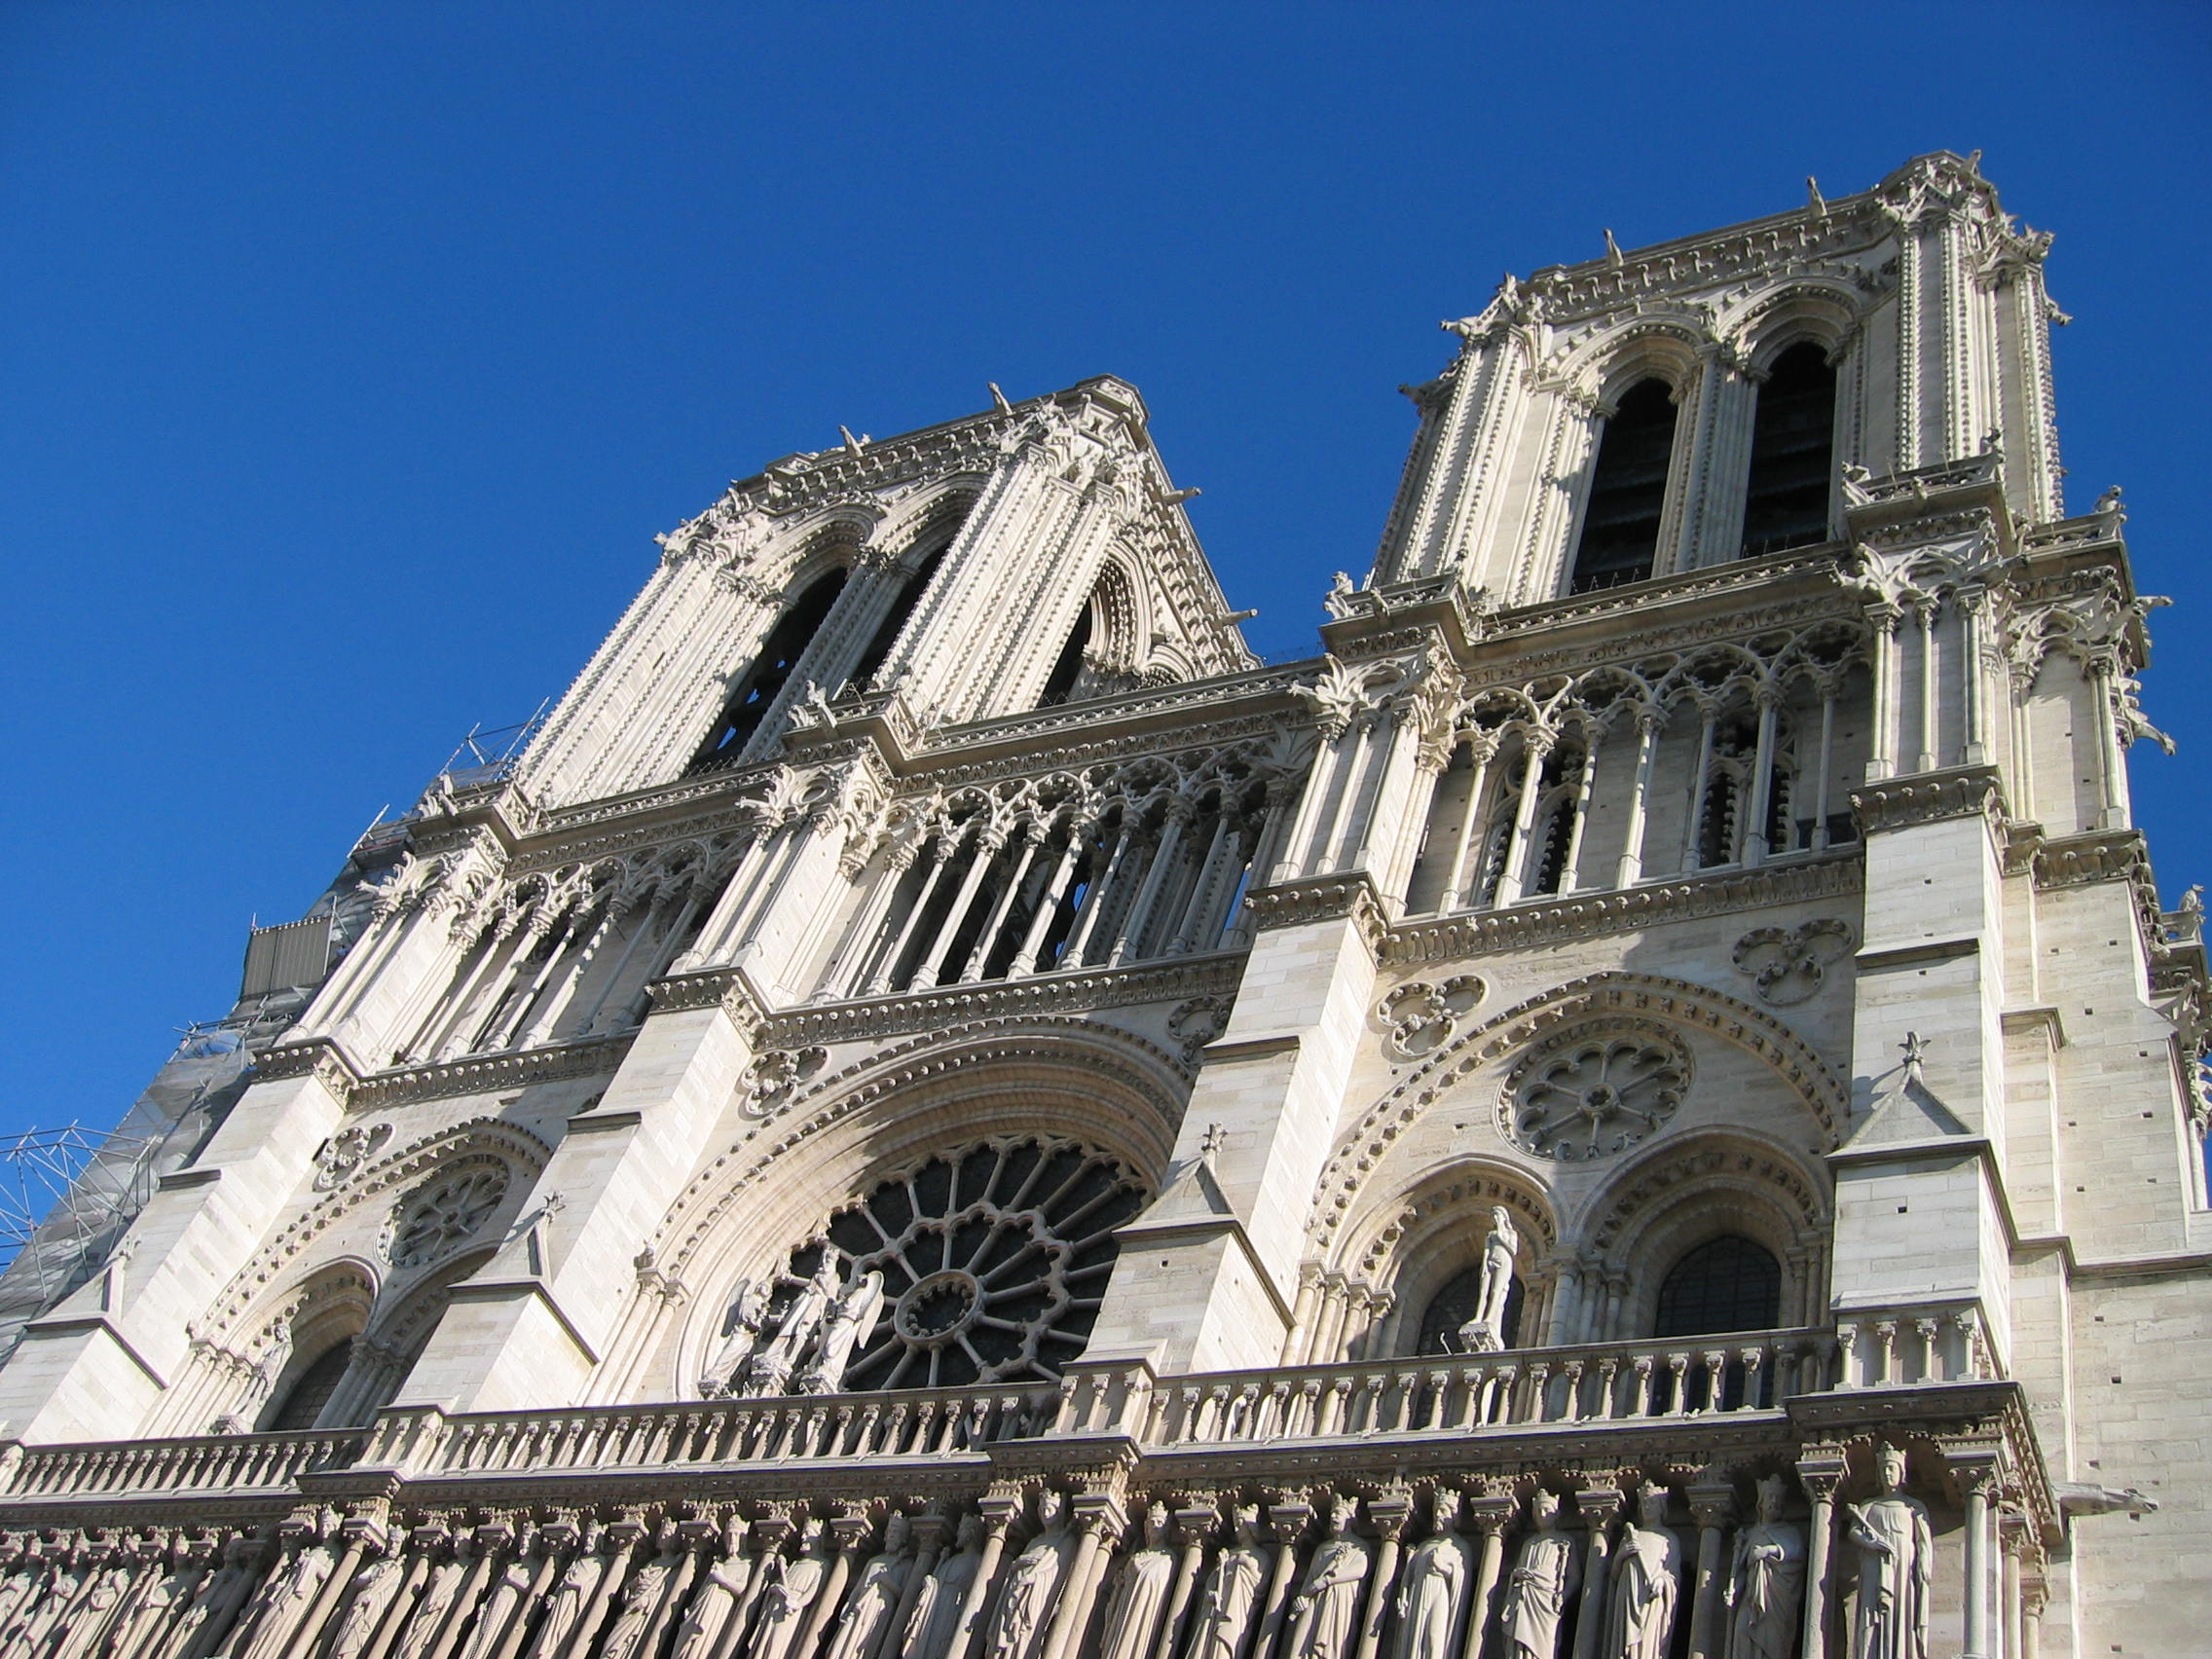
(1650, 723)
(927, 972)
(930, 1533)
(1599, 1507)
(1031, 836)
(1482, 747)
(1191, 1527)
(879, 983)
(1492, 1514)
(1286, 1525)
(1819, 1476)
(1048, 901)
(1536, 748)
(2012, 1540)
(1097, 1523)
(1977, 1474)
(1713, 1503)
(1389, 1515)
(998, 1513)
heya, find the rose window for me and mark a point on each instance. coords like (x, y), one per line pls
(439, 1216)
(994, 1260)
(1586, 1094)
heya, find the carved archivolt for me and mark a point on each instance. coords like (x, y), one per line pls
(1731, 1178)
(489, 1138)
(1437, 1216)
(1672, 1002)
(1044, 1074)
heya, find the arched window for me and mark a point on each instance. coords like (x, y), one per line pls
(1065, 672)
(1455, 1304)
(1726, 1285)
(779, 654)
(895, 620)
(1792, 442)
(1628, 491)
(301, 1407)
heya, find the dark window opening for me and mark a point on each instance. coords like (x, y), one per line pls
(1455, 1304)
(1061, 680)
(771, 671)
(895, 622)
(1726, 1285)
(1628, 491)
(313, 1392)
(1793, 445)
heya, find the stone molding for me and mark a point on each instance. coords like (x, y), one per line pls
(1361, 1150)
(1592, 915)
(1321, 899)
(1930, 797)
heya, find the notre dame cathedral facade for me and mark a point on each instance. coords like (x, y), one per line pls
(1640, 1103)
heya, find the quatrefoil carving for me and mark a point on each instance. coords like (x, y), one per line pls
(1419, 1018)
(777, 1075)
(1788, 965)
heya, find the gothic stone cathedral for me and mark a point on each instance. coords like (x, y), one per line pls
(1641, 1103)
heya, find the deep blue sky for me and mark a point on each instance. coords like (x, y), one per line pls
(350, 355)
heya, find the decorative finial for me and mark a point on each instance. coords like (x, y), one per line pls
(1216, 1138)
(1612, 250)
(1814, 199)
(1915, 1048)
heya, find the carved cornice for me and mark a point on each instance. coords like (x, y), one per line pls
(315, 1057)
(1321, 899)
(1593, 915)
(481, 1074)
(1170, 980)
(2081, 860)
(1930, 797)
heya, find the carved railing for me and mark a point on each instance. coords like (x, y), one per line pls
(212, 1463)
(1457, 1394)
(908, 1424)
(1918, 1342)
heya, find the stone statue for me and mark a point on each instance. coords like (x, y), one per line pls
(641, 1601)
(771, 1367)
(1337, 602)
(1895, 1552)
(499, 1608)
(431, 1611)
(1325, 1611)
(934, 1621)
(1141, 1586)
(850, 1323)
(214, 1602)
(719, 1595)
(283, 1603)
(136, 1637)
(1647, 1583)
(741, 1330)
(374, 1587)
(1025, 1602)
(875, 1597)
(93, 1609)
(1543, 1584)
(1484, 1333)
(1766, 1581)
(1433, 1585)
(784, 1605)
(1232, 1596)
(573, 1594)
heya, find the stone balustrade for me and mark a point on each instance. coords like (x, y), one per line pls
(1920, 1342)
(1456, 1394)
(210, 1463)
(1445, 1395)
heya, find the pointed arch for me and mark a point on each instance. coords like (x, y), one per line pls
(1644, 996)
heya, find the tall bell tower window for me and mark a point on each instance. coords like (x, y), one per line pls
(1628, 491)
(895, 622)
(756, 691)
(1792, 454)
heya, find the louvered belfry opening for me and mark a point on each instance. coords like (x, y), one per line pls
(1792, 454)
(1628, 491)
